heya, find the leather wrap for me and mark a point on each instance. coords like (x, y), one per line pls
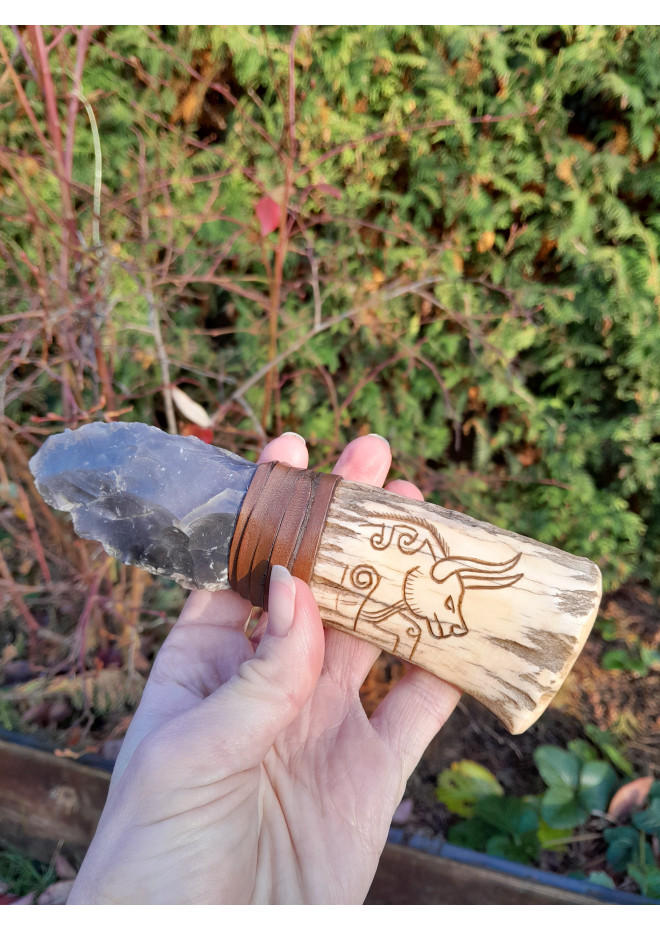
(280, 522)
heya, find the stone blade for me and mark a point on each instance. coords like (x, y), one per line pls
(167, 504)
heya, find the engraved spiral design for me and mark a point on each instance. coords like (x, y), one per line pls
(365, 578)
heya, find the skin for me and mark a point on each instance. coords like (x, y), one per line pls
(250, 772)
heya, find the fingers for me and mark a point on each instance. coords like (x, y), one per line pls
(365, 460)
(405, 489)
(289, 448)
(214, 608)
(412, 713)
(242, 720)
(207, 645)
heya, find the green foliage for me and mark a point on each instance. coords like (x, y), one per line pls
(647, 877)
(576, 788)
(639, 660)
(609, 747)
(22, 875)
(491, 238)
(500, 826)
(470, 266)
(648, 820)
(580, 787)
(630, 848)
(601, 878)
(10, 719)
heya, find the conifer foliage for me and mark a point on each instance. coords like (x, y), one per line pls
(449, 235)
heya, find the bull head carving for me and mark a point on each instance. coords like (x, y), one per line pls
(440, 602)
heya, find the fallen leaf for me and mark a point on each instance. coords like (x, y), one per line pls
(70, 754)
(630, 798)
(269, 214)
(190, 408)
(206, 435)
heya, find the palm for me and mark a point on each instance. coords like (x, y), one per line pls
(298, 815)
(340, 776)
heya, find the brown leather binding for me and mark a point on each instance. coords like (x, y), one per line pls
(280, 523)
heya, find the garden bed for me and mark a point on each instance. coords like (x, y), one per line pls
(614, 714)
(50, 797)
(50, 805)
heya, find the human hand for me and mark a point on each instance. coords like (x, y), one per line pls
(250, 772)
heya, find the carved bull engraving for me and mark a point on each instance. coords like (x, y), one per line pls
(430, 602)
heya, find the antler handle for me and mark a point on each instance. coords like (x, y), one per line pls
(499, 615)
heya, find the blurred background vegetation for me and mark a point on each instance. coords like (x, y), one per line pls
(448, 235)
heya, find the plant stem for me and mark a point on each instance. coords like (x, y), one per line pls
(289, 134)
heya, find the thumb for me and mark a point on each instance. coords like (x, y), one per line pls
(244, 717)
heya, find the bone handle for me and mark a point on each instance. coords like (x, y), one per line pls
(499, 615)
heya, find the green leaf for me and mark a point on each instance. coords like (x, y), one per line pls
(583, 750)
(553, 838)
(649, 820)
(607, 745)
(615, 660)
(22, 875)
(597, 783)
(471, 834)
(647, 877)
(626, 661)
(462, 785)
(513, 816)
(602, 879)
(558, 768)
(523, 849)
(561, 808)
(625, 845)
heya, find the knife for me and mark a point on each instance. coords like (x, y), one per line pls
(500, 616)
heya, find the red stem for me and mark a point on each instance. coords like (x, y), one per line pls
(55, 133)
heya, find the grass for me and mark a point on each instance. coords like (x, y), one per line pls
(23, 875)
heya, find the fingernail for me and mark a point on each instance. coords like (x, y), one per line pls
(378, 436)
(297, 435)
(281, 601)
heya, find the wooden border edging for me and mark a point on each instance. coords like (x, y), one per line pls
(431, 871)
(47, 801)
